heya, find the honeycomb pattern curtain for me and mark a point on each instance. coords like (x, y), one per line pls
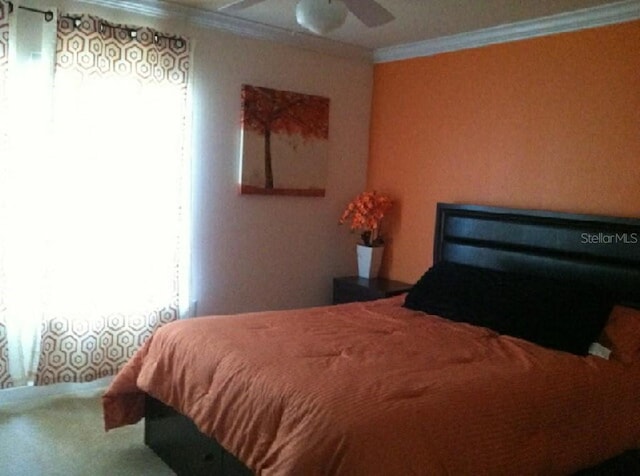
(120, 100)
(106, 200)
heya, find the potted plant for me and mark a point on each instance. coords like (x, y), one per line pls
(364, 214)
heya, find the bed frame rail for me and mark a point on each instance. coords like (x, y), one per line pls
(179, 443)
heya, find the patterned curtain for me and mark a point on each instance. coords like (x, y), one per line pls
(5, 377)
(102, 206)
(119, 127)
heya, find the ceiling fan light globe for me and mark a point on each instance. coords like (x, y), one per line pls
(321, 16)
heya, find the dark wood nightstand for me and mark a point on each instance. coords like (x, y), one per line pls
(353, 288)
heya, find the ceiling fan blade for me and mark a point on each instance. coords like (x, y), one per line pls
(369, 12)
(238, 5)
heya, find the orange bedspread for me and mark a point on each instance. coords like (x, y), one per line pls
(376, 389)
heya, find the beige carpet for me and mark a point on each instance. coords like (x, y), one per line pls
(65, 436)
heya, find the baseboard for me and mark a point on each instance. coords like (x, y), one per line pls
(35, 394)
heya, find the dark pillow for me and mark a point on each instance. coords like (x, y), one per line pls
(562, 315)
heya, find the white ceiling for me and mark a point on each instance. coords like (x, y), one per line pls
(416, 20)
(421, 27)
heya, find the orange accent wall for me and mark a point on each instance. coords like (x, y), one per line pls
(547, 123)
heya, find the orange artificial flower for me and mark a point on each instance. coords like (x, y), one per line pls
(365, 212)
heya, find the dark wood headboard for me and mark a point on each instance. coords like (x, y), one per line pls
(597, 249)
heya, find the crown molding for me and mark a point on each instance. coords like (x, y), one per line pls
(220, 21)
(564, 22)
(618, 12)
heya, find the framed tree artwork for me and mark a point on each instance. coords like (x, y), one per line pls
(285, 142)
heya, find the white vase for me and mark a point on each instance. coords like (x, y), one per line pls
(369, 260)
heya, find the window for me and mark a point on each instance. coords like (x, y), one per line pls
(96, 203)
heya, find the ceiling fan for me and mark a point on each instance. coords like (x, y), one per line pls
(323, 16)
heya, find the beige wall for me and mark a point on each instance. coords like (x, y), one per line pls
(256, 252)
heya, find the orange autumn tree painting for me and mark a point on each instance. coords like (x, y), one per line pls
(284, 142)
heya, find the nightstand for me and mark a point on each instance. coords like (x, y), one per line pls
(354, 288)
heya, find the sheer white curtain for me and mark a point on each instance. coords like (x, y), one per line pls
(28, 81)
(5, 378)
(96, 258)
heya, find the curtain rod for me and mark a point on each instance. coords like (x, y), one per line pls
(48, 14)
(133, 32)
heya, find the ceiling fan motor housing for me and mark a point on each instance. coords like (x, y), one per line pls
(321, 16)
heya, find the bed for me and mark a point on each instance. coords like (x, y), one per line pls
(387, 388)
